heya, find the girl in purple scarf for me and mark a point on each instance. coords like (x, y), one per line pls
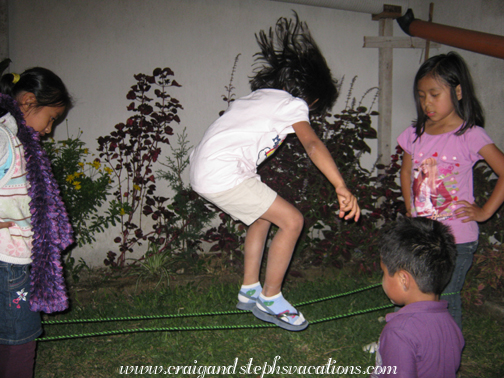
(34, 225)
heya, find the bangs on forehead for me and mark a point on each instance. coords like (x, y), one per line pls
(434, 74)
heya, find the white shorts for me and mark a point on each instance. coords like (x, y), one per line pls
(246, 202)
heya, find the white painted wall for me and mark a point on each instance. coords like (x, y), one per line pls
(97, 46)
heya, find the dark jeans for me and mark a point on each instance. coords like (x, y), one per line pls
(451, 293)
(18, 324)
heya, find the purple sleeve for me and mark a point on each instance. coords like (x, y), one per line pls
(397, 349)
(477, 138)
(404, 140)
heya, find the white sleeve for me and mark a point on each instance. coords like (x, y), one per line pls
(6, 152)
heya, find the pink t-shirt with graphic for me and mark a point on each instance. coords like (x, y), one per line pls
(442, 174)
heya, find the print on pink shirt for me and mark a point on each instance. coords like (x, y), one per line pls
(435, 188)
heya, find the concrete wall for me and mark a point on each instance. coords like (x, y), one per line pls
(97, 46)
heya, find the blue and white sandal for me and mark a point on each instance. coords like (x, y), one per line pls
(285, 320)
(247, 299)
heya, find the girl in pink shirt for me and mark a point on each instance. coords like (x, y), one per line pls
(449, 135)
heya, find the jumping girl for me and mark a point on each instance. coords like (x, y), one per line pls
(292, 83)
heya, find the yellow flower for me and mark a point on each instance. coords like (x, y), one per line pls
(96, 164)
(70, 178)
(77, 184)
(81, 165)
(122, 211)
(136, 187)
(108, 170)
(86, 151)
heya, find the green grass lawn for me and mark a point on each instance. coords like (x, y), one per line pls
(202, 342)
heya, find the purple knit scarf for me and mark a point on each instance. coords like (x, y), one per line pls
(52, 231)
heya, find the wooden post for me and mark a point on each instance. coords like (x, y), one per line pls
(385, 83)
(4, 30)
(427, 44)
(386, 43)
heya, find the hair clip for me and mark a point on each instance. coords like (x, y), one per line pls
(15, 78)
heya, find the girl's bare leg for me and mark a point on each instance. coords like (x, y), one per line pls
(254, 248)
(290, 223)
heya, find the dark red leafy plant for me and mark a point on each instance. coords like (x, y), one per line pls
(326, 239)
(131, 150)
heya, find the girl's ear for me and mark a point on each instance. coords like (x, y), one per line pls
(26, 101)
(458, 92)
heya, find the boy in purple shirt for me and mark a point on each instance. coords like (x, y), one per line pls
(421, 339)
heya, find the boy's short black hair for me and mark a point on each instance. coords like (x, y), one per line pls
(423, 247)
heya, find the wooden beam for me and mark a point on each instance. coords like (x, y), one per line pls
(427, 44)
(398, 42)
(4, 30)
(389, 11)
(386, 43)
(385, 58)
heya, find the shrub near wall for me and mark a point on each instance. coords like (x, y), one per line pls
(130, 151)
(326, 238)
(487, 272)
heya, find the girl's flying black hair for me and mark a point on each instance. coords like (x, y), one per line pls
(291, 61)
(451, 69)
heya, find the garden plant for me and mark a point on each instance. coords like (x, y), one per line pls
(84, 186)
(326, 238)
(131, 151)
(330, 252)
(179, 226)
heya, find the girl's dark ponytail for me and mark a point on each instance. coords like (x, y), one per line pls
(7, 82)
(47, 87)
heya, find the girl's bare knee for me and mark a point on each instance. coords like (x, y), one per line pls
(294, 223)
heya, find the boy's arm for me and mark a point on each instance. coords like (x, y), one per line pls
(397, 358)
(406, 168)
(321, 157)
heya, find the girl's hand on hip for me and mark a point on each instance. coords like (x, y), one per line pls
(348, 204)
(470, 212)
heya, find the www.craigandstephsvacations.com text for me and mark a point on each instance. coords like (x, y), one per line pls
(258, 370)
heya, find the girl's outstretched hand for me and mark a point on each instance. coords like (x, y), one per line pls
(6, 224)
(348, 204)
